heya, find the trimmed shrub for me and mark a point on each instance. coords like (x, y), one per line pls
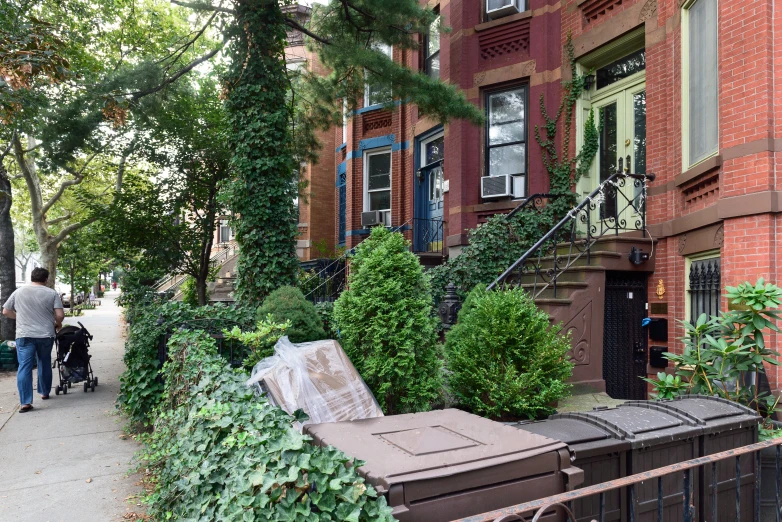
(386, 324)
(220, 452)
(288, 304)
(504, 358)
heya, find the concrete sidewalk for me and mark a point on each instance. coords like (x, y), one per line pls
(68, 458)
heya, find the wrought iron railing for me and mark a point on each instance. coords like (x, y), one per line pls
(427, 236)
(698, 490)
(535, 202)
(328, 283)
(609, 209)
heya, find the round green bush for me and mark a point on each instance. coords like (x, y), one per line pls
(386, 324)
(288, 304)
(504, 358)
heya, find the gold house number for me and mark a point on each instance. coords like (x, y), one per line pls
(660, 289)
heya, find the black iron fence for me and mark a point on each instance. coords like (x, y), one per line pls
(427, 236)
(326, 282)
(741, 485)
(231, 350)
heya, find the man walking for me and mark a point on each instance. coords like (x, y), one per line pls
(38, 313)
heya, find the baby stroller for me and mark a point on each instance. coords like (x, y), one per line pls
(73, 359)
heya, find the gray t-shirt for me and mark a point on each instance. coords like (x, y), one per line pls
(34, 306)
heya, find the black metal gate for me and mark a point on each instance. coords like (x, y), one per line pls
(624, 339)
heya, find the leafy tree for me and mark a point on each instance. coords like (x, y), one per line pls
(505, 360)
(83, 76)
(25, 246)
(269, 112)
(386, 324)
(80, 261)
(173, 219)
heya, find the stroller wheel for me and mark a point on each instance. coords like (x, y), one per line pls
(93, 386)
(85, 387)
(96, 381)
(65, 389)
(70, 384)
(57, 390)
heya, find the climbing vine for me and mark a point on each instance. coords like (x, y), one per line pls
(497, 244)
(563, 170)
(262, 195)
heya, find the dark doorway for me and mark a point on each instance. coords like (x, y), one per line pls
(624, 339)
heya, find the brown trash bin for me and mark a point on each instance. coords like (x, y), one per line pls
(443, 465)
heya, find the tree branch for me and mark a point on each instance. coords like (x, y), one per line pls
(290, 22)
(174, 77)
(61, 219)
(59, 238)
(203, 6)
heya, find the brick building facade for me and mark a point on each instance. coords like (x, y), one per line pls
(711, 136)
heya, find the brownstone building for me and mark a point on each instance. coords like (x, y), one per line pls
(686, 89)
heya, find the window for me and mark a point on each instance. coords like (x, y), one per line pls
(226, 234)
(621, 69)
(377, 183)
(432, 50)
(506, 132)
(344, 121)
(700, 81)
(703, 286)
(499, 8)
(376, 93)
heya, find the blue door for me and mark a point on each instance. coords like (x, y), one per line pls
(428, 228)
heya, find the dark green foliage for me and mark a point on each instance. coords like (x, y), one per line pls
(288, 304)
(504, 359)
(140, 389)
(326, 312)
(386, 324)
(220, 452)
(720, 351)
(260, 138)
(492, 248)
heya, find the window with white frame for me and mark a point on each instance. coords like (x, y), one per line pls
(375, 93)
(701, 80)
(500, 8)
(226, 234)
(377, 183)
(506, 132)
(432, 50)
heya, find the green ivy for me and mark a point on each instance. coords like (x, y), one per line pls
(266, 173)
(220, 452)
(386, 324)
(140, 386)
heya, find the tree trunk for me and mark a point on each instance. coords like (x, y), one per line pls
(49, 256)
(73, 269)
(7, 261)
(200, 283)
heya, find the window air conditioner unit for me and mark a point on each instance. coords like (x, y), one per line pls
(373, 217)
(500, 8)
(496, 186)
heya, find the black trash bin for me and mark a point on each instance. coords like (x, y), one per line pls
(438, 466)
(598, 449)
(656, 438)
(725, 425)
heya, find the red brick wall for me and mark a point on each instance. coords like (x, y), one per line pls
(749, 112)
